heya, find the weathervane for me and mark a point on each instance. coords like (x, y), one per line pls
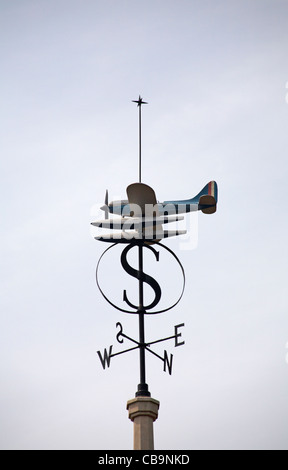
(141, 228)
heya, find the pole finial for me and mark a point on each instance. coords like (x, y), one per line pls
(139, 101)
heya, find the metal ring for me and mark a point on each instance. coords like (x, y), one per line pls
(134, 312)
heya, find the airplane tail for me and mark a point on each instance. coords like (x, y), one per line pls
(207, 198)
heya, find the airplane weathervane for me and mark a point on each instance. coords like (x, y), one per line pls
(138, 223)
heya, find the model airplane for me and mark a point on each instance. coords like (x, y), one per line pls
(142, 217)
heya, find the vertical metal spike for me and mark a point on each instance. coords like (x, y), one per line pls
(139, 104)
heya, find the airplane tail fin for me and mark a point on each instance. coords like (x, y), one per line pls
(207, 198)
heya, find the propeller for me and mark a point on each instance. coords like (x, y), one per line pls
(105, 207)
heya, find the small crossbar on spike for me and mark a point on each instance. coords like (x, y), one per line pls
(139, 101)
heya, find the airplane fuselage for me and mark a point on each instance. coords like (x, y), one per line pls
(166, 208)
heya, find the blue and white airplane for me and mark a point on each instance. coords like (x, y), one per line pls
(141, 216)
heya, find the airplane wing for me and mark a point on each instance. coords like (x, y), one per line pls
(142, 200)
(130, 223)
(143, 203)
(128, 237)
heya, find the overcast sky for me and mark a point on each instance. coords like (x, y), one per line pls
(215, 74)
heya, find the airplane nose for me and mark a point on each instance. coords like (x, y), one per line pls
(104, 208)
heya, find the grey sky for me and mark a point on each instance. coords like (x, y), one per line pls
(214, 74)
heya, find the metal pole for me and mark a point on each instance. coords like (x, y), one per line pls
(139, 103)
(140, 157)
(142, 387)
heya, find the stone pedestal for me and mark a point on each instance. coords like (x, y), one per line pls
(143, 411)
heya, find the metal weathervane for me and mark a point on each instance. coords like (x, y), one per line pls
(138, 223)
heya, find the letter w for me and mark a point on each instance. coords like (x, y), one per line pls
(106, 357)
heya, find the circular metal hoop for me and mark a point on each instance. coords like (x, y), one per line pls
(136, 311)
